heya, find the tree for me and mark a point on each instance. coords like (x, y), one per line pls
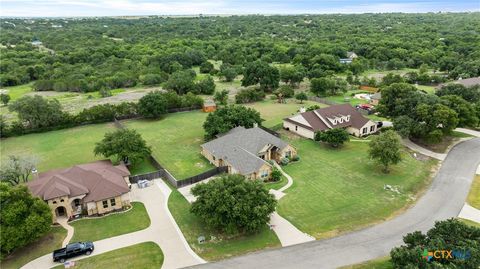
(153, 79)
(249, 95)
(276, 175)
(451, 235)
(221, 97)
(466, 112)
(38, 112)
(328, 86)
(226, 118)
(228, 72)
(292, 75)
(205, 86)
(124, 144)
(24, 218)
(233, 205)
(301, 96)
(385, 149)
(152, 105)
(391, 78)
(334, 137)
(181, 82)
(206, 67)
(5, 98)
(262, 73)
(471, 94)
(17, 169)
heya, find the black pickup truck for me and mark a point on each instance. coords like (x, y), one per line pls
(72, 250)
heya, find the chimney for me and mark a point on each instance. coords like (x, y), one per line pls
(302, 109)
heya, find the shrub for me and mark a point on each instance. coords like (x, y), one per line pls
(295, 158)
(284, 161)
(249, 95)
(286, 91)
(206, 67)
(205, 86)
(276, 175)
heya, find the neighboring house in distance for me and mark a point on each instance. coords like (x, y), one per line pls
(350, 57)
(209, 106)
(93, 188)
(375, 98)
(36, 43)
(345, 116)
(246, 152)
(467, 82)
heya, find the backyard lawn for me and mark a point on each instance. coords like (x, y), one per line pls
(45, 245)
(339, 190)
(62, 148)
(146, 255)
(474, 195)
(111, 225)
(219, 247)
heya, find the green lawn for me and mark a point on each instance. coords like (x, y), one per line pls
(144, 255)
(16, 92)
(469, 222)
(58, 149)
(221, 247)
(348, 98)
(45, 245)
(428, 89)
(474, 195)
(276, 185)
(339, 190)
(63, 148)
(273, 113)
(175, 142)
(111, 225)
(381, 263)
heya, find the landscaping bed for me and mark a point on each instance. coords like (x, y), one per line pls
(339, 190)
(94, 229)
(222, 246)
(144, 255)
(45, 245)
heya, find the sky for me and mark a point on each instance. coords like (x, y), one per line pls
(80, 8)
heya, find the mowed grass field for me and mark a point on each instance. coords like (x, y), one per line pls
(57, 149)
(474, 196)
(146, 255)
(339, 190)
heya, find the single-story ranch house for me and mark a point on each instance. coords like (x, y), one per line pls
(93, 188)
(246, 152)
(308, 123)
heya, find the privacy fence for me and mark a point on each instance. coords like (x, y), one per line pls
(322, 100)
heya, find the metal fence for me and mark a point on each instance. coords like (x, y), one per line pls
(202, 176)
(322, 100)
(272, 132)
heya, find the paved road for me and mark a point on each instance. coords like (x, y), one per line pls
(443, 200)
(163, 231)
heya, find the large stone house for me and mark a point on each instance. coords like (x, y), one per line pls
(308, 123)
(246, 152)
(93, 188)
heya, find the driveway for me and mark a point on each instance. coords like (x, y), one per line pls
(163, 231)
(444, 199)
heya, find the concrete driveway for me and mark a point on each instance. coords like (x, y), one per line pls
(444, 199)
(163, 231)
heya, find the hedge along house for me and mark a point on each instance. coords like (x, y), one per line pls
(247, 152)
(308, 123)
(92, 189)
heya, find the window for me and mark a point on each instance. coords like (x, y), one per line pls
(264, 173)
(288, 154)
(372, 128)
(105, 203)
(61, 201)
(364, 131)
(112, 202)
(77, 202)
(54, 202)
(296, 128)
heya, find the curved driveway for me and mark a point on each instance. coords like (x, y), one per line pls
(444, 199)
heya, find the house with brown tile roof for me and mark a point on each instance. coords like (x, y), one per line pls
(92, 188)
(344, 116)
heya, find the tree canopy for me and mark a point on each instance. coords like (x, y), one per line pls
(385, 149)
(233, 204)
(228, 117)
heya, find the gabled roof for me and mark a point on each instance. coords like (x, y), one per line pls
(97, 180)
(240, 147)
(336, 116)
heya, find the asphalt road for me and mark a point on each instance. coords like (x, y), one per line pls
(444, 199)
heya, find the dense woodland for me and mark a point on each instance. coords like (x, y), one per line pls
(93, 53)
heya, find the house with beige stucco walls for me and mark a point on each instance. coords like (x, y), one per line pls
(87, 189)
(247, 152)
(308, 123)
